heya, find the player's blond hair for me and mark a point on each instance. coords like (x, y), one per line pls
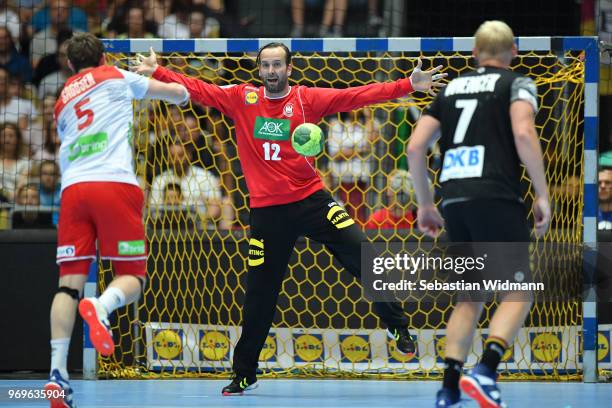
(494, 39)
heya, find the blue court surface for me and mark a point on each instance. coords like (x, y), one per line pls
(304, 393)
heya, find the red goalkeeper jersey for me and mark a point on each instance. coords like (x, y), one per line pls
(275, 173)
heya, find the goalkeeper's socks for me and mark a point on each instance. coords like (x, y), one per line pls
(112, 298)
(59, 356)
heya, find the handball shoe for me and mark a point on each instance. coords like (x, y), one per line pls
(58, 391)
(480, 384)
(94, 313)
(447, 398)
(403, 340)
(238, 385)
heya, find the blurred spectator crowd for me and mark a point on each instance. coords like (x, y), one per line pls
(186, 158)
(34, 68)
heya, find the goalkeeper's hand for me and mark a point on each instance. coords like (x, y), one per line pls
(145, 65)
(426, 81)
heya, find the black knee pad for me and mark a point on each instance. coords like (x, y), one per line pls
(73, 293)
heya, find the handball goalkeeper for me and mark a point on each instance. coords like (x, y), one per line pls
(287, 198)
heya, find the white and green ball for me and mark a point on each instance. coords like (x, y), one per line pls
(307, 139)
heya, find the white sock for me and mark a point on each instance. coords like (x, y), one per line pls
(112, 298)
(59, 355)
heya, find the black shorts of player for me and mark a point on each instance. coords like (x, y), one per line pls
(496, 230)
(274, 231)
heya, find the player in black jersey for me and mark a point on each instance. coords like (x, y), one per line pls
(486, 118)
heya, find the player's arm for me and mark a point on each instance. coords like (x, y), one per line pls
(172, 93)
(429, 220)
(204, 93)
(530, 153)
(326, 101)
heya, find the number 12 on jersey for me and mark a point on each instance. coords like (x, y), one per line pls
(271, 151)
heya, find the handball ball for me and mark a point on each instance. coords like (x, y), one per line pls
(307, 139)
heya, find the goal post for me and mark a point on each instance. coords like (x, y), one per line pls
(189, 318)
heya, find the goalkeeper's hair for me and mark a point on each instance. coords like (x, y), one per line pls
(84, 51)
(275, 45)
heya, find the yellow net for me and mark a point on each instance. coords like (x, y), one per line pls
(188, 320)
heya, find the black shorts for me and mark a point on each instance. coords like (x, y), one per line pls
(486, 221)
(498, 232)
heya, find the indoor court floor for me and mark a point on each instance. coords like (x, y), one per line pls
(304, 393)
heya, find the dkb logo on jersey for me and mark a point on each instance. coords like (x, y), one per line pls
(256, 252)
(88, 145)
(339, 217)
(271, 129)
(463, 162)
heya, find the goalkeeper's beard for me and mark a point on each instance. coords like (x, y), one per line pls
(277, 87)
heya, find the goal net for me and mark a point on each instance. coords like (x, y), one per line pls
(188, 320)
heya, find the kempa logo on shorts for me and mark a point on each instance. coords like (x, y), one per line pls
(88, 145)
(271, 129)
(339, 217)
(131, 247)
(256, 252)
(65, 251)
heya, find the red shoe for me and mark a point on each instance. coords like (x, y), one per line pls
(96, 317)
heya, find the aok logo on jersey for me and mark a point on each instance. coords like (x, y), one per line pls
(271, 129)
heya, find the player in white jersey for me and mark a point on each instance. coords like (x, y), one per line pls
(101, 199)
